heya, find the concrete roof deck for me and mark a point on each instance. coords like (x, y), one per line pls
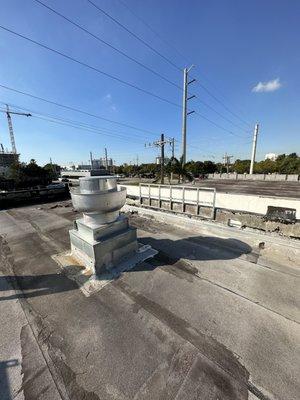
(202, 320)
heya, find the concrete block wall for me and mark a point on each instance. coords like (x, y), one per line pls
(292, 178)
(275, 177)
(256, 177)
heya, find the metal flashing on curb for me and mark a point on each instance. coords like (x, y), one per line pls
(90, 283)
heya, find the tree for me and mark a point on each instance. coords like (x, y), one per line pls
(241, 166)
(53, 170)
(28, 175)
(175, 167)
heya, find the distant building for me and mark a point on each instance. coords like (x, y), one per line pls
(271, 156)
(7, 159)
(103, 162)
(158, 160)
(76, 167)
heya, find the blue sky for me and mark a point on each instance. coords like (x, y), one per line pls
(234, 45)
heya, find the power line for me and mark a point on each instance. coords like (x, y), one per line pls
(126, 55)
(162, 39)
(82, 124)
(154, 31)
(134, 35)
(221, 115)
(90, 66)
(85, 129)
(107, 44)
(224, 105)
(76, 109)
(99, 117)
(217, 125)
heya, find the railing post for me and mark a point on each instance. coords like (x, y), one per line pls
(183, 192)
(140, 192)
(197, 201)
(159, 196)
(149, 195)
(214, 205)
(170, 197)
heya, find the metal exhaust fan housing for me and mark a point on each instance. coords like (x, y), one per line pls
(102, 238)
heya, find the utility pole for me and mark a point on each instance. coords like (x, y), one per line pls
(106, 161)
(185, 113)
(91, 159)
(162, 158)
(161, 143)
(173, 147)
(255, 134)
(226, 159)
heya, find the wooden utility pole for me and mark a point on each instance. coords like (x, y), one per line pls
(161, 143)
(226, 159)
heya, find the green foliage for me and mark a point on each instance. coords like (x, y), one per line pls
(175, 166)
(289, 164)
(201, 167)
(29, 175)
(53, 170)
(284, 164)
(240, 166)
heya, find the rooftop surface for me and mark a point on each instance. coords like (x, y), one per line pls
(263, 188)
(204, 319)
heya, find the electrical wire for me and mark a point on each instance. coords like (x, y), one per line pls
(108, 44)
(222, 104)
(76, 124)
(115, 78)
(152, 30)
(76, 109)
(134, 35)
(129, 57)
(171, 46)
(83, 124)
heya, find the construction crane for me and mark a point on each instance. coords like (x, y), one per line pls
(10, 126)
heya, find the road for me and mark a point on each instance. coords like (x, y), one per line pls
(202, 320)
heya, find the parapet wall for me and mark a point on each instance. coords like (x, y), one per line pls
(246, 209)
(256, 177)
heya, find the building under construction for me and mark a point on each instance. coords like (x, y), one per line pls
(7, 158)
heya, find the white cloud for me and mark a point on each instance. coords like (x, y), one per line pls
(108, 101)
(269, 86)
(107, 97)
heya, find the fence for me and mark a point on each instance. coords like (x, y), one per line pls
(178, 198)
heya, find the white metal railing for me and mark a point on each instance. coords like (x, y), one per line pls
(186, 195)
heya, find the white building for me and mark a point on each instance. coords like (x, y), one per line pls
(158, 160)
(271, 156)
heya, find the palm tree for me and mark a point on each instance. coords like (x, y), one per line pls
(176, 167)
